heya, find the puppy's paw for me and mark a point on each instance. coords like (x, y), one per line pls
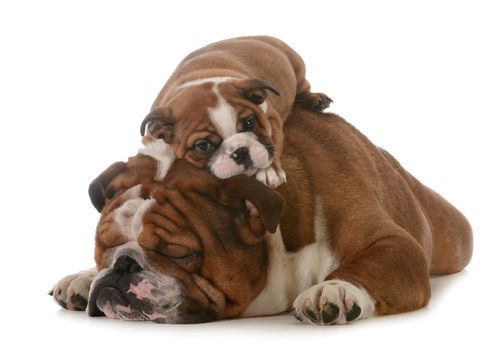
(316, 102)
(271, 177)
(72, 292)
(333, 302)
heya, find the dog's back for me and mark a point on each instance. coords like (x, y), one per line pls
(362, 178)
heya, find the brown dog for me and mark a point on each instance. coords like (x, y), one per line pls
(359, 236)
(216, 111)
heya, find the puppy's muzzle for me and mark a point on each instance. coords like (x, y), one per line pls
(241, 153)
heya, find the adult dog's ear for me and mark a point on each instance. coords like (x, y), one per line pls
(268, 202)
(97, 187)
(256, 90)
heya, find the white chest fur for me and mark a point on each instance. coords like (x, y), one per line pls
(291, 273)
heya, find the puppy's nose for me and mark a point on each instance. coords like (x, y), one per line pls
(241, 155)
(125, 264)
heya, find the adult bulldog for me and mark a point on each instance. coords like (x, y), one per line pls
(221, 90)
(358, 236)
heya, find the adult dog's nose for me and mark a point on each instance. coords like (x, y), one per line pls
(241, 155)
(126, 264)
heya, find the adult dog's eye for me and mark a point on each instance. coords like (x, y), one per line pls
(181, 255)
(204, 146)
(188, 261)
(248, 124)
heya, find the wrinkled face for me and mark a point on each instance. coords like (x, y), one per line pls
(219, 123)
(181, 250)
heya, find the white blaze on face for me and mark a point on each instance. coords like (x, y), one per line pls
(129, 216)
(223, 115)
(136, 225)
(215, 80)
(264, 106)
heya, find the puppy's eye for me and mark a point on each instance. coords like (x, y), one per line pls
(248, 124)
(204, 146)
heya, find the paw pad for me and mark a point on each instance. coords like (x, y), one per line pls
(72, 291)
(333, 302)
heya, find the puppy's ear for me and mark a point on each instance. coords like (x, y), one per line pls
(256, 90)
(97, 187)
(158, 125)
(268, 202)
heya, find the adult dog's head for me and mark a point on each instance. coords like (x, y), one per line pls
(182, 249)
(221, 123)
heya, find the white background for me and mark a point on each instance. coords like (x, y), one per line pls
(424, 80)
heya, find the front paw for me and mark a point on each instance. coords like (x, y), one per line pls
(271, 177)
(72, 292)
(333, 302)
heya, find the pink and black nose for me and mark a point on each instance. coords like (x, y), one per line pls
(242, 156)
(114, 285)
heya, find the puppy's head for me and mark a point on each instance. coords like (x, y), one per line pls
(181, 250)
(219, 123)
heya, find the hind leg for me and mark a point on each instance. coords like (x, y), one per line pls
(315, 101)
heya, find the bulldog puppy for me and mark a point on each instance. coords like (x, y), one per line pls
(358, 236)
(222, 90)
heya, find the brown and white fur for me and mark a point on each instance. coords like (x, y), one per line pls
(216, 110)
(359, 236)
